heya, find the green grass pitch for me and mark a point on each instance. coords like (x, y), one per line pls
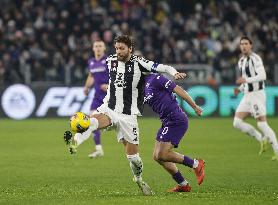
(36, 168)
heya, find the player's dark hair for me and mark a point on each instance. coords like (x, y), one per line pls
(124, 39)
(246, 38)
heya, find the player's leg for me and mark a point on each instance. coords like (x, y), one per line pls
(249, 129)
(98, 121)
(269, 133)
(96, 135)
(258, 107)
(98, 147)
(164, 153)
(171, 168)
(168, 137)
(242, 112)
(134, 158)
(128, 133)
(136, 165)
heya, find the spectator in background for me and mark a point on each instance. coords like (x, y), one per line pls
(99, 78)
(172, 32)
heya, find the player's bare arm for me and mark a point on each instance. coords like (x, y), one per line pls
(184, 95)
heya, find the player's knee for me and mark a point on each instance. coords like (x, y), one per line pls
(162, 155)
(237, 122)
(155, 158)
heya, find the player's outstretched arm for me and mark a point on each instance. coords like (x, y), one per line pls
(150, 66)
(184, 95)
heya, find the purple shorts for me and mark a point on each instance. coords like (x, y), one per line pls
(173, 130)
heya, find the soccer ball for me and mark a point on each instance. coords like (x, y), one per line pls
(79, 122)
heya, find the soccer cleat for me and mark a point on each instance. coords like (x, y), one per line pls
(275, 157)
(69, 141)
(67, 137)
(145, 188)
(97, 153)
(200, 171)
(263, 146)
(73, 147)
(178, 188)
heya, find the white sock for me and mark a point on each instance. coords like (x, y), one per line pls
(94, 123)
(247, 128)
(81, 137)
(269, 133)
(184, 183)
(98, 147)
(195, 164)
(136, 165)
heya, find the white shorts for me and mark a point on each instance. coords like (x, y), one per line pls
(126, 125)
(254, 103)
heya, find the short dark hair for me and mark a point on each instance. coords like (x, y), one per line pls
(246, 38)
(124, 39)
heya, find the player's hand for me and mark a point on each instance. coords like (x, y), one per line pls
(86, 91)
(179, 76)
(198, 110)
(104, 87)
(240, 80)
(236, 91)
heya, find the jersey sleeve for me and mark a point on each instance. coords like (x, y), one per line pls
(259, 68)
(150, 66)
(164, 83)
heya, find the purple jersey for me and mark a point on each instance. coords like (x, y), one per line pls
(98, 69)
(158, 94)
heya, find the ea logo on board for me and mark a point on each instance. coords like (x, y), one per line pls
(18, 101)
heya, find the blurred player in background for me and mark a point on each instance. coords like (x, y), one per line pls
(159, 95)
(98, 77)
(253, 102)
(124, 102)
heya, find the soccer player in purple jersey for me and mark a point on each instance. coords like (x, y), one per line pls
(98, 77)
(159, 95)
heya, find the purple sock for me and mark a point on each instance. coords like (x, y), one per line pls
(178, 177)
(97, 137)
(188, 161)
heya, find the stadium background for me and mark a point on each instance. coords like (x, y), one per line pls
(47, 43)
(44, 48)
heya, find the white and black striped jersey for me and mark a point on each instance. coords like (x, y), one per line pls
(125, 92)
(252, 69)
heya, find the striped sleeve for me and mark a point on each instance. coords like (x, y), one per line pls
(259, 69)
(153, 67)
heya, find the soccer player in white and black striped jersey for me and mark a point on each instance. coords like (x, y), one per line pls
(124, 102)
(253, 102)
